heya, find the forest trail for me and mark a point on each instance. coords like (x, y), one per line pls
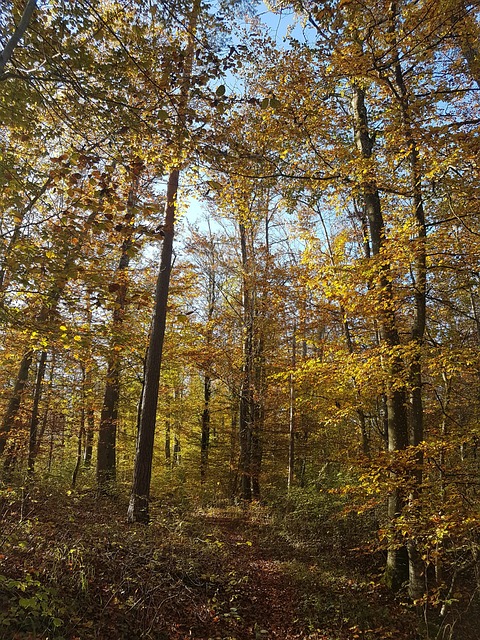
(269, 598)
(71, 568)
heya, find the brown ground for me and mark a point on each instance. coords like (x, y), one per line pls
(73, 569)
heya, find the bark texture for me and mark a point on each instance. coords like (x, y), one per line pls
(397, 426)
(138, 506)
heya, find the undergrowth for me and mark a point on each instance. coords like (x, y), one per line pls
(71, 568)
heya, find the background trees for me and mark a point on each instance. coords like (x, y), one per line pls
(321, 328)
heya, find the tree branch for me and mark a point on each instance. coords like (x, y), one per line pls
(18, 34)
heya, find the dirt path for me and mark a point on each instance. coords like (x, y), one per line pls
(262, 594)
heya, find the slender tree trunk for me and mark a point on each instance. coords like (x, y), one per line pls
(258, 418)
(88, 390)
(138, 507)
(397, 564)
(43, 426)
(234, 418)
(80, 439)
(205, 442)
(177, 423)
(107, 434)
(416, 565)
(89, 433)
(32, 443)
(207, 380)
(177, 458)
(246, 413)
(168, 445)
(292, 413)
(13, 407)
(291, 435)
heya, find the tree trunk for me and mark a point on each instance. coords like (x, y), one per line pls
(177, 458)
(32, 442)
(80, 438)
(13, 407)
(246, 417)
(416, 566)
(207, 380)
(205, 442)
(233, 473)
(107, 434)
(43, 426)
(138, 507)
(397, 565)
(168, 451)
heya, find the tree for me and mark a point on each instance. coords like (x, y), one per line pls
(138, 506)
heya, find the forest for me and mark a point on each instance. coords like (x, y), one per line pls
(239, 319)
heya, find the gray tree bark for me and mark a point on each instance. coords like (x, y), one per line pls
(139, 500)
(397, 427)
(17, 35)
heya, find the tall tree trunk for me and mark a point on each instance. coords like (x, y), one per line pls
(88, 390)
(205, 441)
(177, 457)
(168, 441)
(233, 472)
(107, 434)
(32, 442)
(43, 426)
(207, 380)
(138, 506)
(292, 416)
(258, 416)
(246, 413)
(13, 407)
(80, 439)
(397, 564)
(416, 566)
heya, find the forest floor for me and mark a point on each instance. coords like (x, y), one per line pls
(71, 568)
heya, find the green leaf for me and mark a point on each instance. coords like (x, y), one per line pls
(275, 103)
(27, 603)
(265, 103)
(214, 184)
(220, 91)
